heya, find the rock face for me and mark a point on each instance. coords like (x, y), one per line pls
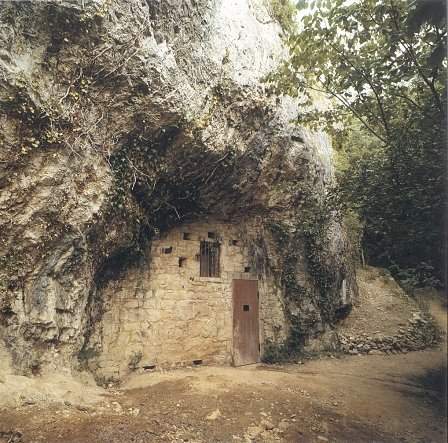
(122, 120)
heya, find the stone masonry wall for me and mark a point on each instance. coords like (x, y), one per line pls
(164, 314)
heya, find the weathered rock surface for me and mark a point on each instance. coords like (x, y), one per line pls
(122, 119)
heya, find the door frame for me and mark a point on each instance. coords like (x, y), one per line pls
(258, 341)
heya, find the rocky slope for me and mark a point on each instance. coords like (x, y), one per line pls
(385, 319)
(121, 119)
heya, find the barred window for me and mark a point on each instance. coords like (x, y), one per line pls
(209, 259)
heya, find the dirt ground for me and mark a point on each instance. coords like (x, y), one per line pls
(365, 398)
(382, 307)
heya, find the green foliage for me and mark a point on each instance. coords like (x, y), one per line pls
(39, 128)
(283, 11)
(354, 227)
(378, 69)
(399, 195)
(310, 235)
(420, 276)
(86, 354)
(134, 360)
(291, 349)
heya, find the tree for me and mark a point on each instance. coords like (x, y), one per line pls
(381, 64)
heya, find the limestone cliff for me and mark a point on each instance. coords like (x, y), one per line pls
(122, 119)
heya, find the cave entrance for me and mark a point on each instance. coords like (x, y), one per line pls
(246, 340)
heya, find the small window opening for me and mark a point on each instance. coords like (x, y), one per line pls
(209, 259)
(149, 367)
(247, 269)
(234, 243)
(197, 362)
(182, 262)
(245, 307)
(211, 235)
(167, 250)
(187, 236)
(297, 138)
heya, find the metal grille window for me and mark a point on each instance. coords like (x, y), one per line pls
(209, 259)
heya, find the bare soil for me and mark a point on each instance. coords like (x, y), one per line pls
(365, 398)
(382, 306)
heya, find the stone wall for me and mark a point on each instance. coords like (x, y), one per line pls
(164, 314)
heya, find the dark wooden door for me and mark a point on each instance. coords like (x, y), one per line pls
(246, 342)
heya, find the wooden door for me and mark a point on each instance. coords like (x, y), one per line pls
(246, 342)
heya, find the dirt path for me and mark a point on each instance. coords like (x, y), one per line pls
(382, 398)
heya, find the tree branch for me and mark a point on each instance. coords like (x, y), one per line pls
(351, 109)
(368, 80)
(410, 51)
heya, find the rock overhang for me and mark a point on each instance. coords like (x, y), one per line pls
(142, 126)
